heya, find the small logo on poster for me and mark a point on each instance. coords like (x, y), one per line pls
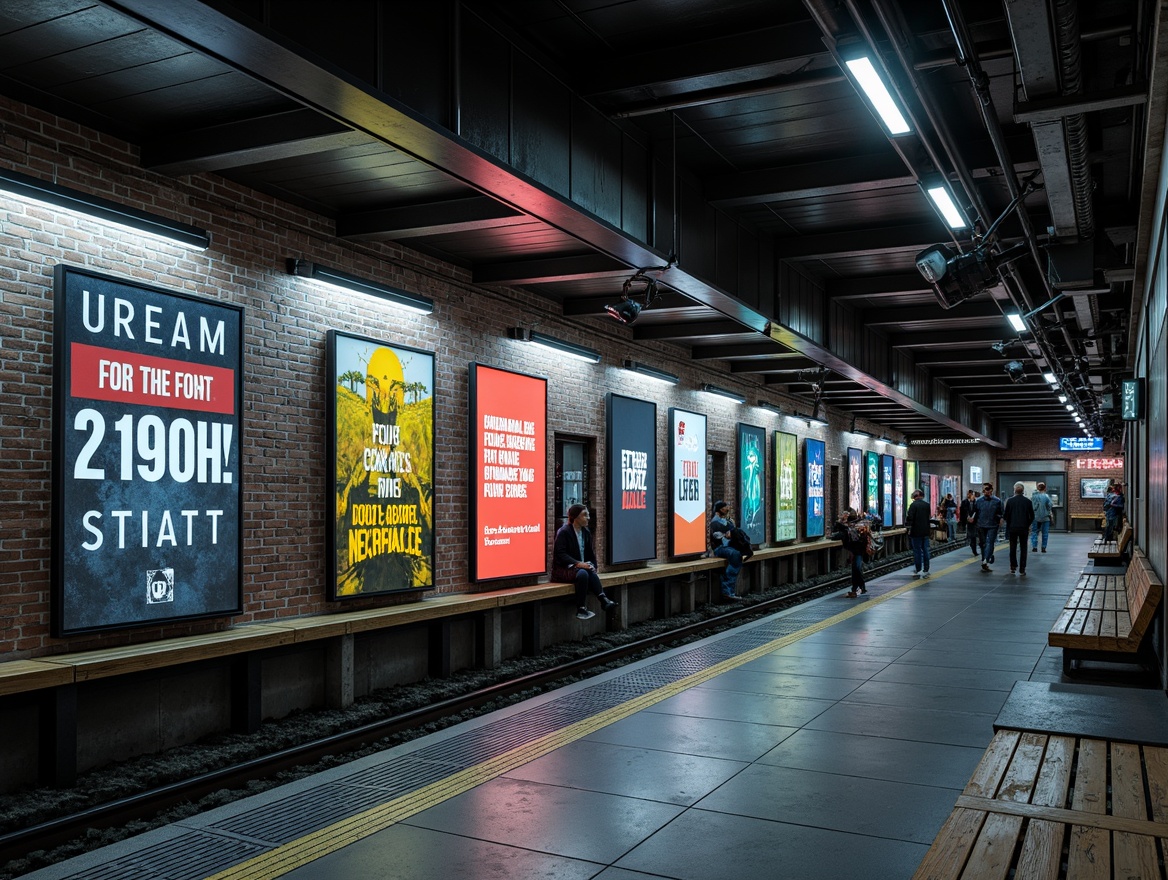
(159, 586)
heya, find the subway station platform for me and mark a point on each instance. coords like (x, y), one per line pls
(829, 741)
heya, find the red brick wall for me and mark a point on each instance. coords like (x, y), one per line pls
(285, 320)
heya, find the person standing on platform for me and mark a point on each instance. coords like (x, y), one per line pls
(851, 530)
(988, 513)
(968, 516)
(1113, 512)
(721, 529)
(574, 562)
(1019, 515)
(1043, 510)
(917, 522)
(949, 515)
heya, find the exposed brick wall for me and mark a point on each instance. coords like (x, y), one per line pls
(285, 389)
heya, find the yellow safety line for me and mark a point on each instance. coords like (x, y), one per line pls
(297, 853)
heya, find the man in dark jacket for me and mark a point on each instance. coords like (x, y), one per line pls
(968, 516)
(916, 521)
(1019, 516)
(574, 561)
(988, 511)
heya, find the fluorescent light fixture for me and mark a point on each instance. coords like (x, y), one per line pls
(651, 372)
(723, 392)
(1070, 407)
(945, 205)
(1051, 378)
(878, 94)
(771, 407)
(816, 420)
(337, 278)
(571, 349)
(33, 189)
(1062, 398)
(1016, 321)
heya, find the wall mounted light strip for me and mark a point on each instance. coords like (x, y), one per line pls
(102, 209)
(816, 420)
(723, 392)
(337, 278)
(571, 349)
(771, 407)
(651, 372)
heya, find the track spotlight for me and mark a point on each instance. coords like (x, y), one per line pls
(629, 308)
(1001, 347)
(1016, 371)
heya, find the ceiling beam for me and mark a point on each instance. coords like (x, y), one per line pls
(981, 310)
(877, 286)
(766, 349)
(433, 218)
(594, 305)
(859, 242)
(689, 330)
(519, 273)
(813, 180)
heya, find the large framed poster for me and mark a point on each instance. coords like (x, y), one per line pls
(381, 449)
(687, 477)
(786, 489)
(872, 476)
(631, 530)
(898, 496)
(814, 452)
(856, 481)
(751, 479)
(887, 490)
(147, 402)
(508, 474)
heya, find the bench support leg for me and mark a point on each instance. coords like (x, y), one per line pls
(688, 593)
(531, 643)
(338, 672)
(661, 602)
(58, 739)
(440, 649)
(246, 693)
(489, 632)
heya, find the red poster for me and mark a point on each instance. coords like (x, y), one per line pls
(509, 476)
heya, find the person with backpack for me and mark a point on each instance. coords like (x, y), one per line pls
(853, 532)
(918, 523)
(722, 536)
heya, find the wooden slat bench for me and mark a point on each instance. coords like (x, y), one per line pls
(1095, 520)
(1112, 550)
(1039, 804)
(1108, 617)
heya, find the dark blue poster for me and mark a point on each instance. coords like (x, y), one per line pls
(751, 479)
(631, 530)
(813, 451)
(887, 484)
(147, 402)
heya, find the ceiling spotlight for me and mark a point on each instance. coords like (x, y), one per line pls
(629, 309)
(1016, 371)
(957, 276)
(1000, 347)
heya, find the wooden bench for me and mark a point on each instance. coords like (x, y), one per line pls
(1096, 520)
(1108, 617)
(1037, 802)
(1111, 550)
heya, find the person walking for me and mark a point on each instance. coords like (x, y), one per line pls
(1019, 514)
(988, 513)
(917, 522)
(1043, 510)
(949, 515)
(574, 562)
(721, 527)
(968, 515)
(851, 530)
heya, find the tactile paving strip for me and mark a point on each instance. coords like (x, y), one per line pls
(199, 854)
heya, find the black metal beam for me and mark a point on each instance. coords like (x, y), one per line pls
(547, 270)
(434, 218)
(860, 242)
(813, 180)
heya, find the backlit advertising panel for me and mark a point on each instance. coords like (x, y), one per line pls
(856, 480)
(381, 450)
(887, 489)
(508, 475)
(814, 452)
(751, 480)
(872, 477)
(786, 487)
(687, 479)
(911, 481)
(631, 529)
(147, 403)
(898, 496)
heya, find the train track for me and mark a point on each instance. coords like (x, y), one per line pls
(144, 805)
